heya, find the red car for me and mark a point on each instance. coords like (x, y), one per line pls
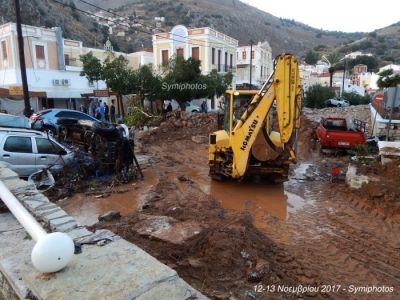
(341, 133)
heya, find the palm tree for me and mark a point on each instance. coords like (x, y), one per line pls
(334, 60)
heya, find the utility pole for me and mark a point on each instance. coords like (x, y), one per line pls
(251, 61)
(27, 110)
(344, 74)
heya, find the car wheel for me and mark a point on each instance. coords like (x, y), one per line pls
(195, 111)
(339, 105)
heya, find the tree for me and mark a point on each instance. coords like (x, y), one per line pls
(317, 95)
(334, 60)
(370, 61)
(92, 68)
(311, 57)
(355, 99)
(118, 76)
(183, 81)
(147, 84)
(388, 79)
(217, 84)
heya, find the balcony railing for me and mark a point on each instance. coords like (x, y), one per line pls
(225, 68)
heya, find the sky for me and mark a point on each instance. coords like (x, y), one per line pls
(340, 15)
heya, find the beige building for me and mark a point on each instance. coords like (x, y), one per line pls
(215, 50)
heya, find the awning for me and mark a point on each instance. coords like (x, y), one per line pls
(6, 94)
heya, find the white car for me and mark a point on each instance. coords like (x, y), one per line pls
(27, 151)
(337, 102)
(189, 106)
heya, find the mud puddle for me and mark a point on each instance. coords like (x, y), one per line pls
(262, 200)
(86, 209)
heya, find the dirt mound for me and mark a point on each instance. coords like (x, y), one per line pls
(227, 257)
(180, 125)
(382, 193)
(306, 140)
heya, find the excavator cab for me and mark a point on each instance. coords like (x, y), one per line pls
(259, 127)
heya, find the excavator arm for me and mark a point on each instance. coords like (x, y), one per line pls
(284, 88)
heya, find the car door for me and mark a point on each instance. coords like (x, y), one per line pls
(17, 152)
(48, 154)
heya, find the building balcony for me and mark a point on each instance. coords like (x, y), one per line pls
(221, 68)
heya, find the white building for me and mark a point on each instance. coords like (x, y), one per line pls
(395, 68)
(355, 54)
(261, 62)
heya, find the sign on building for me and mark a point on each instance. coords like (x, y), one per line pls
(16, 90)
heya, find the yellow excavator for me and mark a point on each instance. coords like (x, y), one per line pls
(259, 137)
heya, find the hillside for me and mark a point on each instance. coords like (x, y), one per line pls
(47, 13)
(384, 43)
(232, 17)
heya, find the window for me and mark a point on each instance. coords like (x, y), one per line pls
(213, 56)
(219, 60)
(4, 49)
(226, 62)
(45, 146)
(231, 61)
(196, 53)
(164, 57)
(74, 115)
(179, 52)
(66, 59)
(252, 54)
(244, 55)
(39, 52)
(18, 144)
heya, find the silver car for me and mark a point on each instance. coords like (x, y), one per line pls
(27, 151)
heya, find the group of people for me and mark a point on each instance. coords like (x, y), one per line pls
(102, 112)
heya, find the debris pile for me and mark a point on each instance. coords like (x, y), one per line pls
(180, 125)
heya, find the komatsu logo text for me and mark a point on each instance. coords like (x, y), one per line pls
(249, 134)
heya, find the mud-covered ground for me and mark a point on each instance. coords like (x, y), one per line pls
(249, 239)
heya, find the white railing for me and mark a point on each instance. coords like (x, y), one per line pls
(52, 252)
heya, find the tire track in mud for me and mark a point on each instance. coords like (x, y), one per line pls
(343, 244)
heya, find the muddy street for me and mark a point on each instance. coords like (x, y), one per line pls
(217, 235)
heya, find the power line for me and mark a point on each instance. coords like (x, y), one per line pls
(152, 28)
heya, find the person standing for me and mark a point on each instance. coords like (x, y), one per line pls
(101, 109)
(112, 112)
(97, 113)
(106, 112)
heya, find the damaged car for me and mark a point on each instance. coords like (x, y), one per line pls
(109, 146)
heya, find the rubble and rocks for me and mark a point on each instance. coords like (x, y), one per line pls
(167, 229)
(110, 216)
(180, 125)
(354, 180)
